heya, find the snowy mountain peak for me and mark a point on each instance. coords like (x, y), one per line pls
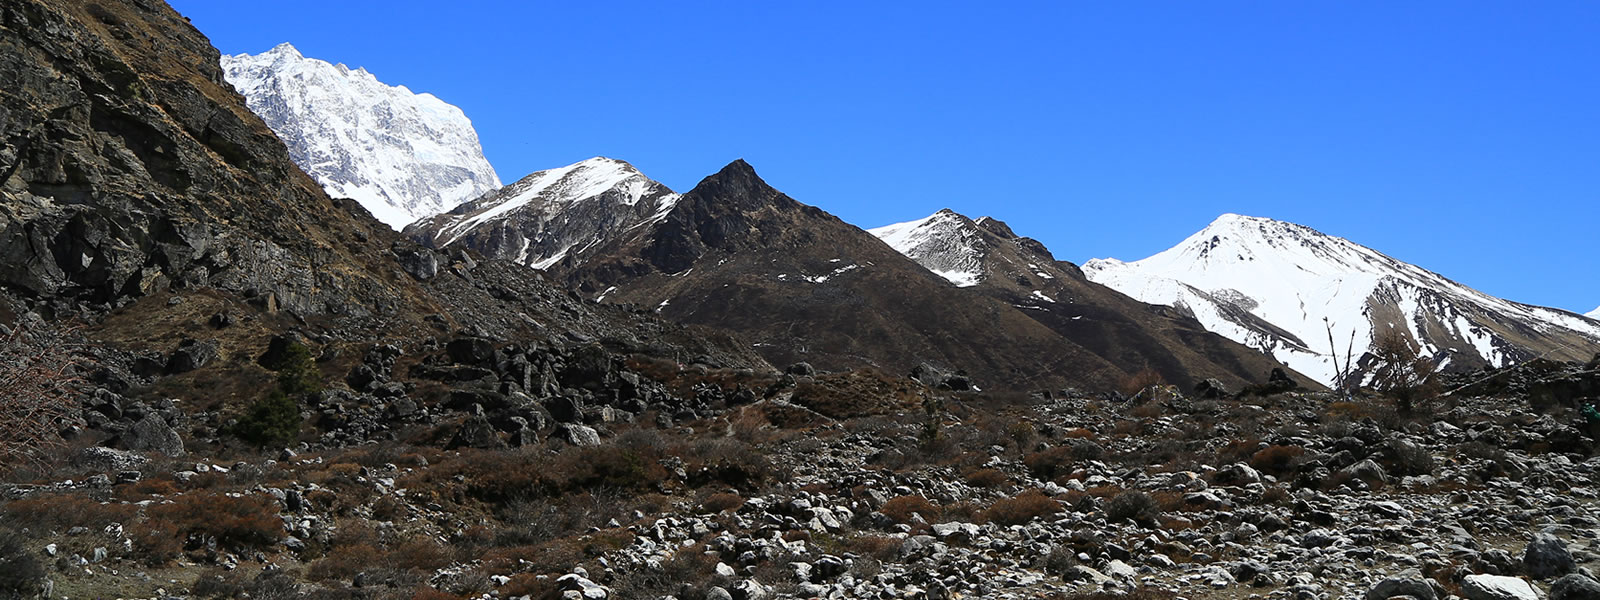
(1312, 286)
(1593, 314)
(402, 155)
(944, 242)
(551, 214)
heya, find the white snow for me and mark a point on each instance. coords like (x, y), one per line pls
(1040, 295)
(1593, 314)
(1307, 283)
(943, 242)
(831, 275)
(403, 156)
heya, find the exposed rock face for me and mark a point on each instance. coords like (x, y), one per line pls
(1304, 283)
(552, 215)
(403, 156)
(986, 256)
(129, 166)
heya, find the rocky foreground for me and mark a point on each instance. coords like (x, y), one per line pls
(647, 478)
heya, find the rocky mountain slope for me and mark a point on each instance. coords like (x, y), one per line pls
(1307, 284)
(801, 285)
(403, 156)
(551, 215)
(986, 256)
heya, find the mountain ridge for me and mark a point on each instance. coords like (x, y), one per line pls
(985, 256)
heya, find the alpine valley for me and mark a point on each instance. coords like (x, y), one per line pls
(225, 374)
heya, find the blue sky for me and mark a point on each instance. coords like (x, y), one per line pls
(1461, 136)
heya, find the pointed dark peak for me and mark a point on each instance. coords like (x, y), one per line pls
(737, 186)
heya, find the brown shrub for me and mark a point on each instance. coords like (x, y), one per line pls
(1021, 508)
(429, 593)
(1238, 450)
(65, 511)
(249, 521)
(529, 584)
(987, 478)
(1055, 462)
(900, 508)
(1078, 433)
(146, 488)
(1276, 460)
(345, 562)
(420, 553)
(1140, 381)
(722, 502)
(881, 547)
(858, 393)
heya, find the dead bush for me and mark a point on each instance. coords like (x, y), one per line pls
(1276, 460)
(38, 387)
(60, 512)
(1401, 374)
(900, 508)
(1022, 508)
(243, 522)
(987, 478)
(1136, 383)
(1055, 462)
(722, 502)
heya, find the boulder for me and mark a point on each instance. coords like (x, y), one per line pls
(153, 434)
(1575, 586)
(580, 435)
(476, 432)
(1236, 474)
(1497, 587)
(1415, 587)
(191, 355)
(474, 351)
(1547, 556)
(1368, 472)
(1211, 389)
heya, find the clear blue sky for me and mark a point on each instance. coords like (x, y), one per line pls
(1461, 136)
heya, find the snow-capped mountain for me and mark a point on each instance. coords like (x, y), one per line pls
(1312, 287)
(986, 256)
(1593, 314)
(403, 156)
(942, 242)
(551, 215)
